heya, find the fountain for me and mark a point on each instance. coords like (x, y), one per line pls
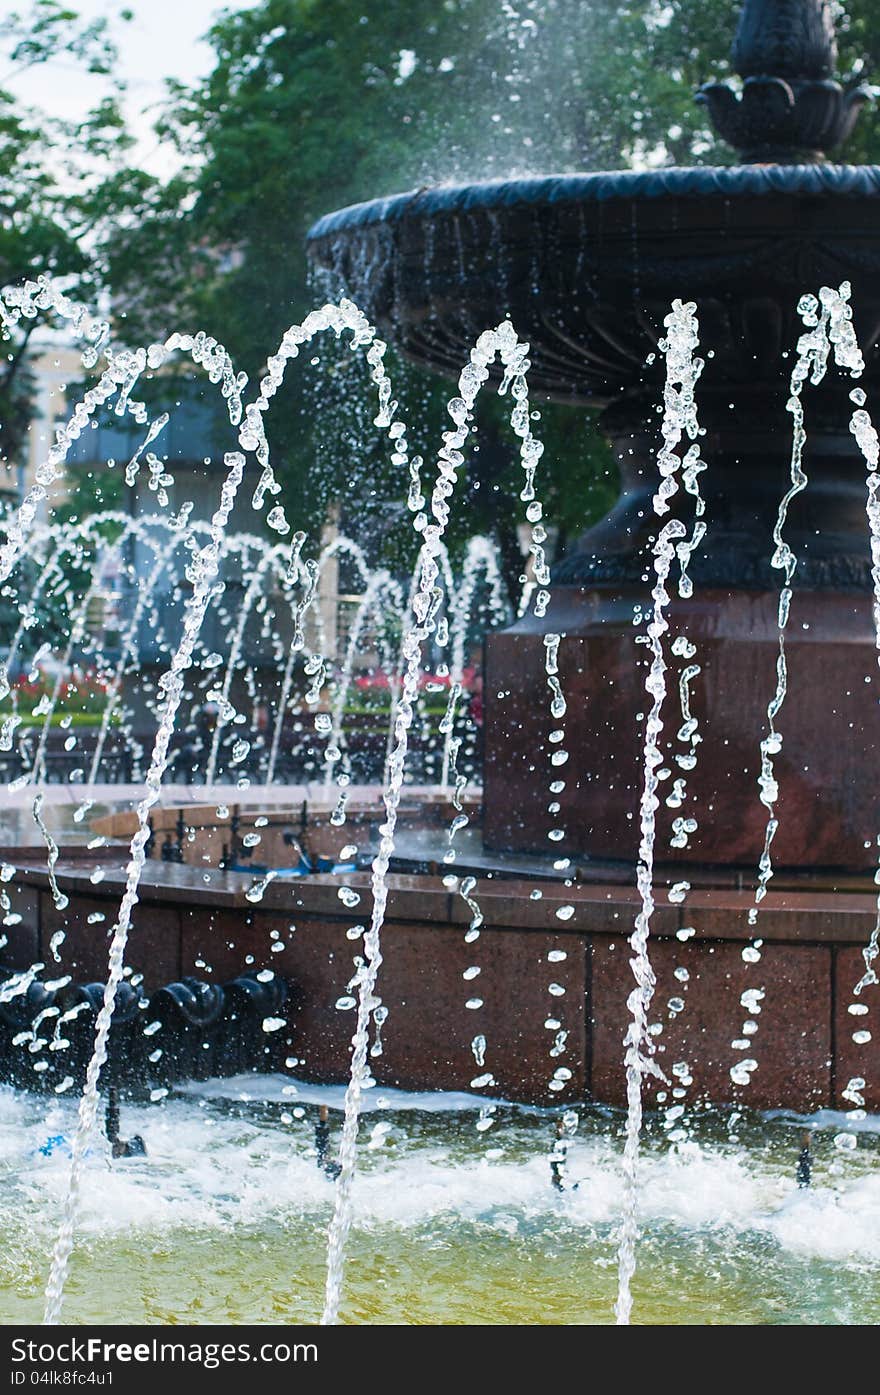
(638, 769)
(586, 266)
(124, 584)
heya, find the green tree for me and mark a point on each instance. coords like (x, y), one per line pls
(50, 174)
(313, 104)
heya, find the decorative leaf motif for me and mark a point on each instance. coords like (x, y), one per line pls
(785, 38)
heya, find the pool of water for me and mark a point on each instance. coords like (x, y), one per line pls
(225, 1220)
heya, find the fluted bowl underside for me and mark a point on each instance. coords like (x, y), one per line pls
(586, 267)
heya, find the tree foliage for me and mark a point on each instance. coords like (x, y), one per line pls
(313, 104)
(51, 174)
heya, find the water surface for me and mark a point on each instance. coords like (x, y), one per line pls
(225, 1220)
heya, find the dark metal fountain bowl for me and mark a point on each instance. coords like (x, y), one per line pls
(586, 266)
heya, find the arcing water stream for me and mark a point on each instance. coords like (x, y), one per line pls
(501, 344)
(281, 599)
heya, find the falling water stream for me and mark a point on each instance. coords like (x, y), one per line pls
(812, 360)
(848, 356)
(829, 329)
(679, 421)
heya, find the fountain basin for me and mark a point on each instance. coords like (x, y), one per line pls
(813, 933)
(203, 1229)
(586, 266)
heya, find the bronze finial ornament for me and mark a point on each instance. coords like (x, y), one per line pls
(791, 109)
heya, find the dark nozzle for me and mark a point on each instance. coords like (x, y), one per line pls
(133, 1147)
(805, 1160)
(557, 1158)
(328, 1165)
(111, 1116)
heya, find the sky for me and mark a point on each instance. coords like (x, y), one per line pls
(164, 39)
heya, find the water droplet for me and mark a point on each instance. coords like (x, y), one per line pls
(276, 519)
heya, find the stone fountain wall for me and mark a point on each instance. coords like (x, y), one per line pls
(811, 958)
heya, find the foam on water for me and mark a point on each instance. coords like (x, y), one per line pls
(216, 1168)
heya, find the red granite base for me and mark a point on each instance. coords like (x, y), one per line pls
(827, 769)
(803, 1044)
